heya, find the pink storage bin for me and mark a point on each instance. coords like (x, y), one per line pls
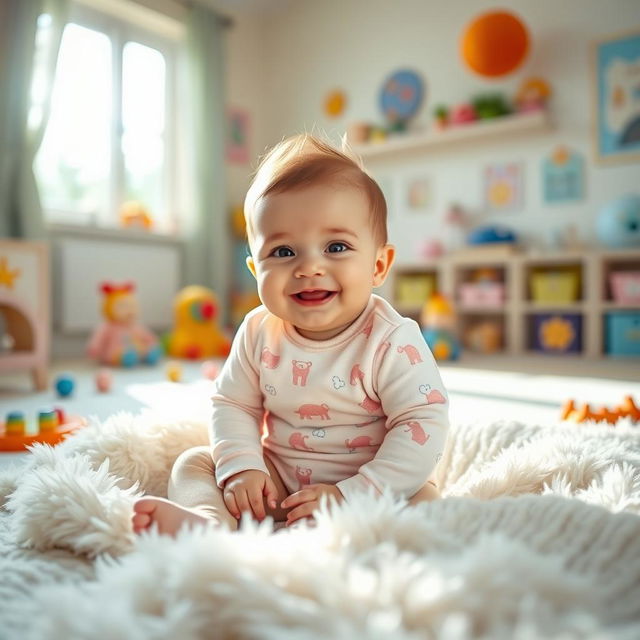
(625, 286)
(483, 294)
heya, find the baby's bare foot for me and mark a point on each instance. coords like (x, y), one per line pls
(168, 516)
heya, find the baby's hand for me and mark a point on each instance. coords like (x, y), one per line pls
(304, 502)
(244, 491)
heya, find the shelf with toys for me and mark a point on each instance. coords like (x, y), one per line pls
(504, 126)
(582, 303)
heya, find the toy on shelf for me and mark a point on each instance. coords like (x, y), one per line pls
(196, 333)
(122, 340)
(618, 223)
(532, 95)
(490, 105)
(438, 325)
(462, 114)
(134, 214)
(626, 409)
(441, 116)
(484, 336)
(14, 435)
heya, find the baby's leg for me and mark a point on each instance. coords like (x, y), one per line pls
(194, 497)
(427, 493)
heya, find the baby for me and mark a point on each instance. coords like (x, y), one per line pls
(327, 390)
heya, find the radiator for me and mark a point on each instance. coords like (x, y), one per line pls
(82, 264)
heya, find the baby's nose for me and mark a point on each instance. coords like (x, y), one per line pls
(308, 266)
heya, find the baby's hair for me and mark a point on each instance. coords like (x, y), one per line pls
(306, 160)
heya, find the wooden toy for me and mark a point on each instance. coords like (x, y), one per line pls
(122, 340)
(103, 380)
(47, 420)
(438, 323)
(174, 372)
(196, 333)
(14, 438)
(24, 306)
(64, 385)
(16, 424)
(626, 409)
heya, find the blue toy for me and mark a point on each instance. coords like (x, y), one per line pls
(618, 223)
(491, 234)
(64, 385)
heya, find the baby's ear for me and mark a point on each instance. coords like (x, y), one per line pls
(251, 265)
(384, 259)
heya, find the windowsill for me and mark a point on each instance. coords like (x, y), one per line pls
(58, 230)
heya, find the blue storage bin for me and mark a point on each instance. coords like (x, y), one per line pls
(557, 332)
(622, 333)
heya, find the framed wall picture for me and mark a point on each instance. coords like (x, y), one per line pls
(418, 194)
(503, 187)
(237, 142)
(616, 78)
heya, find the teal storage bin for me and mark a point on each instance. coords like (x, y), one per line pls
(622, 333)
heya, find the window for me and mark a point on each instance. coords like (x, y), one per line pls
(110, 135)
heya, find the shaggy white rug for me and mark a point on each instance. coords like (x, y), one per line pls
(538, 536)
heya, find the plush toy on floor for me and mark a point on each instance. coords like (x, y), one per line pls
(438, 325)
(196, 333)
(122, 340)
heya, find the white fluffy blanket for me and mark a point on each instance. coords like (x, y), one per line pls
(538, 536)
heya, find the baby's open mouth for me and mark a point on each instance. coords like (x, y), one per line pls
(313, 296)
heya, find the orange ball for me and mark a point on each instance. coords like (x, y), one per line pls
(495, 44)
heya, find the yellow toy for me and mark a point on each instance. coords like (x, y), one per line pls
(627, 409)
(135, 214)
(174, 372)
(196, 333)
(438, 321)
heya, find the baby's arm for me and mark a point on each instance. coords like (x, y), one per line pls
(413, 398)
(237, 412)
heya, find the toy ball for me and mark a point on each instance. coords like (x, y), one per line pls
(618, 223)
(174, 372)
(104, 380)
(64, 385)
(210, 370)
(495, 44)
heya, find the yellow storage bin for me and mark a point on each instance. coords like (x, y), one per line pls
(415, 289)
(555, 287)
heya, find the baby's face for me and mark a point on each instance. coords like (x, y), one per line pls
(315, 257)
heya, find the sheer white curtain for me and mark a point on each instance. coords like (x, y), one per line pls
(27, 66)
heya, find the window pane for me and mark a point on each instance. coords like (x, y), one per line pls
(74, 162)
(143, 119)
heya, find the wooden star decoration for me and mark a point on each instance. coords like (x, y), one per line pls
(7, 275)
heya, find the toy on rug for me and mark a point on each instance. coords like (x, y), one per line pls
(103, 380)
(174, 372)
(210, 370)
(64, 385)
(196, 333)
(438, 328)
(626, 409)
(122, 340)
(52, 427)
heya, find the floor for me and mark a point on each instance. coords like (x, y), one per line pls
(531, 389)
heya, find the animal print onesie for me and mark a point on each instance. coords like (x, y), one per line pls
(364, 409)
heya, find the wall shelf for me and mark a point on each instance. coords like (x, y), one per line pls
(521, 123)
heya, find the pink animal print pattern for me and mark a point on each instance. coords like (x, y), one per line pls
(303, 476)
(356, 374)
(411, 352)
(367, 329)
(370, 406)
(311, 410)
(432, 396)
(268, 359)
(417, 432)
(300, 372)
(359, 442)
(297, 441)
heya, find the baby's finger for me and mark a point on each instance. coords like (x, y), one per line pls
(270, 493)
(299, 497)
(257, 504)
(230, 503)
(242, 500)
(303, 511)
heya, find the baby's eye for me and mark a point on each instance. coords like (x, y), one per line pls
(282, 252)
(337, 247)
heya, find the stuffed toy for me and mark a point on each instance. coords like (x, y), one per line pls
(196, 333)
(121, 340)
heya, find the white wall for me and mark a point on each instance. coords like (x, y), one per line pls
(282, 64)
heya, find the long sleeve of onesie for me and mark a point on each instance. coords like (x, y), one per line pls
(238, 412)
(409, 388)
